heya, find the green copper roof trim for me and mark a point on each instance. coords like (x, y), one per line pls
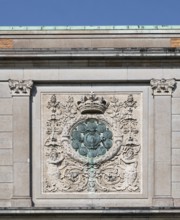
(54, 28)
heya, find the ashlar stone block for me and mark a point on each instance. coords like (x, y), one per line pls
(6, 190)
(176, 106)
(176, 157)
(176, 140)
(5, 106)
(6, 174)
(5, 140)
(176, 173)
(5, 123)
(21, 129)
(6, 157)
(162, 183)
(176, 190)
(176, 122)
(4, 90)
(21, 179)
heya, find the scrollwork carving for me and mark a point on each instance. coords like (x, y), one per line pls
(20, 87)
(163, 86)
(97, 152)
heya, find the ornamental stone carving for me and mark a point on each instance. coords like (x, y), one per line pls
(91, 143)
(91, 138)
(163, 86)
(20, 87)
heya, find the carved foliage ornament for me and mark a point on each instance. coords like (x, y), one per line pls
(163, 86)
(20, 87)
(91, 143)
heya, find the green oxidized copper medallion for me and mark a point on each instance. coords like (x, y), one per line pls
(91, 138)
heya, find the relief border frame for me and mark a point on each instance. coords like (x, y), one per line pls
(143, 199)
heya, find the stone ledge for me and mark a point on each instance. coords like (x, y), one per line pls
(123, 211)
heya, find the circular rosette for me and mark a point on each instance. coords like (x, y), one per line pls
(91, 138)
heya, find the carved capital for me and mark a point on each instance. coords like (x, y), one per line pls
(20, 87)
(163, 86)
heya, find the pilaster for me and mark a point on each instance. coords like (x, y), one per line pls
(162, 92)
(20, 91)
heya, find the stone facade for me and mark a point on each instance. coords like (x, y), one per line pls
(88, 128)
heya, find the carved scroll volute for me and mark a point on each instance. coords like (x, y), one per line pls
(163, 86)
(20, 87)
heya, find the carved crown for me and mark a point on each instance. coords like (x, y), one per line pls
(92, 104)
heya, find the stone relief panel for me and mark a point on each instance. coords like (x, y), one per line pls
(91, 143)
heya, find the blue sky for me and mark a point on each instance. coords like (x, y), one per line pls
(89, 12)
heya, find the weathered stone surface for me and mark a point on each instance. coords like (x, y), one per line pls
(6, 43)
(175, 140)
(21, 202)
(81, 217)
(176, 189)
(163, 202)
(6, 190)
(5, 203)
(94, 75)
(6, 174)
(5, 123)
(21, 180)
(176, 122)
(162, 128)
(41, 74)
(176, 93)
(176, 106)
(4, 90)
(92, 43)
(6, 106)
(176, 156)
(5, 139)
(177, 202)
(21, 143)
(6, 156)
(176, 173)
(163, 170)
(143, 73)
(21, 130)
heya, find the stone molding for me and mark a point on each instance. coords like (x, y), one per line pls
(20, 87)
(88, 52)
(163, 86)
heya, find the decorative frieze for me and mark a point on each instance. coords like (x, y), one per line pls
(91, 143)
(163, 86)
(20, 87)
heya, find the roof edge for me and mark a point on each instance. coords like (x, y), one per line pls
(54, 28)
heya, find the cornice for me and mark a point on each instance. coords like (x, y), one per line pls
(91, 52)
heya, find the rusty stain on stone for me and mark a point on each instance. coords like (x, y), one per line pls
(6, 43)
(175, 42)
